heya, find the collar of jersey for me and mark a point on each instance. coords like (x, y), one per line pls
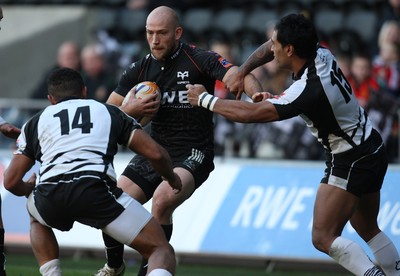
(68, 98)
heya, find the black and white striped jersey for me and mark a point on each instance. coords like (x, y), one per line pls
(75, 135)
(323, 97)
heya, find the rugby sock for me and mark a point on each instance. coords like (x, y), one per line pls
(159, 272)
(114, 251)
(2, 256)
(51, 268)
(385, 254)
(352, 257)
(168, 233)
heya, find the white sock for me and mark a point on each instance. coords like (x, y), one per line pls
(385, 254)
(51, 268)
(159, 272)
(351, 256)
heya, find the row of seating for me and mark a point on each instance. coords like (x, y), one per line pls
(224, 3)
(242, 25)
(238, 24)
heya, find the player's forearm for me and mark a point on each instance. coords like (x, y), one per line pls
(260, 56)
(251, 85)
(10, 130)
(163, 165)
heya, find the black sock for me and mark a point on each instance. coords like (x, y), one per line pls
(114, 251)
(2, 256)
(168, 233)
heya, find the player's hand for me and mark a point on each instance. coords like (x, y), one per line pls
(235, 83)
(10, 131)
(194, 90)
(138, 108)
(176, 183)
(30, 184)
(261, 96)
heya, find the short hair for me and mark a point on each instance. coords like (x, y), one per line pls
(65, 82)
(298, 31)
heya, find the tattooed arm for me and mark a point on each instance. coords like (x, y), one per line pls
(260, 56)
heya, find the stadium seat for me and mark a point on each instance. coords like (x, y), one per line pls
(256, 21)
(131, 24)
(362, 22)
(328, 21)
(197, 23)
(105, 19)
(229, 21)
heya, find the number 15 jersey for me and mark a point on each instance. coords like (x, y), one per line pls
(324, 99)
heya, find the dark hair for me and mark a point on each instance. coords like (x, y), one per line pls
(65, 82)
(298, 31)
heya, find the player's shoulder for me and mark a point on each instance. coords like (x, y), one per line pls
(194, 50)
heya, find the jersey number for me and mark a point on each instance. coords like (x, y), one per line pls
(81, 120)
(338, 78)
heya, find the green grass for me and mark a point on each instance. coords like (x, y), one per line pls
(25, 265)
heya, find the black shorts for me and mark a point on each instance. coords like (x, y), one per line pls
(139, 170)
(360, 170)
(87, 197)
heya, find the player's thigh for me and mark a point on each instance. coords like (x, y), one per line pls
(364, 219)
(127, 226)
(150, 238)
(132, 189)
(332, 209)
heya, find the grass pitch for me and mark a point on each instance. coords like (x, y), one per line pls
(25, 265)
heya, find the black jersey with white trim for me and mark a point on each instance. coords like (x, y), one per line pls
(323, 97)
(75, 135)
(178, 126)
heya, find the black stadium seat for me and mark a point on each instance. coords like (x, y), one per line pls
(197, 23)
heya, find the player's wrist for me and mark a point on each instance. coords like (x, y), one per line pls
(207, 101)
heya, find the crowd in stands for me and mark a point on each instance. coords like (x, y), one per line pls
(371, 64)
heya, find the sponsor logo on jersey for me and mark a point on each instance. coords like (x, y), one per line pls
(182, 75)
(224, 62)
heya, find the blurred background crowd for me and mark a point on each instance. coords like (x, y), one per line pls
(363, 34)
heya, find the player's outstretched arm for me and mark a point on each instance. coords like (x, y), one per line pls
(9, 130)
(143, 144)
(13, 176)
(238, 111)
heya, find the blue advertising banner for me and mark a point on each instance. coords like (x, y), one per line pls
(268, 212)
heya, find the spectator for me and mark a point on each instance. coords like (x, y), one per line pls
(99, 81)
(68, 55)
(386, 68)
(361, 79)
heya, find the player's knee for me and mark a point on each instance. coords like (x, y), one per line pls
(321, 241)
(162, 207)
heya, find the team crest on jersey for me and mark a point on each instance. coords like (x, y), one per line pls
(182, 75)
(224, 62)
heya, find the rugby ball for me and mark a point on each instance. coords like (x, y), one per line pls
(143, 90)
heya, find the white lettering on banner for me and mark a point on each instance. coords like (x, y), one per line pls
(267, 207)
(388, 219)
(297, 207)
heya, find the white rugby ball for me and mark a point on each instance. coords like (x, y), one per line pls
(143, 90)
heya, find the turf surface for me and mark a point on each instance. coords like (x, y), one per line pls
(25, 265)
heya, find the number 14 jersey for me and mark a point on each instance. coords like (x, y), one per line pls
(75, 135)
